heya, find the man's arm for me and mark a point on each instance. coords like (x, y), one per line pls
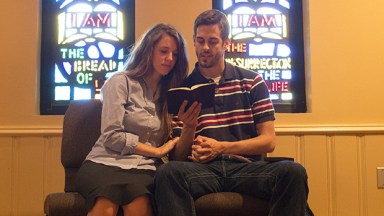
(264, 143)
(183, 147)
(206, 149)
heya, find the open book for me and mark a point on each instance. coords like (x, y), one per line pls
(203, 93)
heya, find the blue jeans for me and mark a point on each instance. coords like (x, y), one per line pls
(283, 184)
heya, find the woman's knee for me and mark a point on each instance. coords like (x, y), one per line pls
(103, 206)
(139, 206)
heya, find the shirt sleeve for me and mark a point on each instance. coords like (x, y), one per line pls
(115, 94)
(262, 107)
(177, 126)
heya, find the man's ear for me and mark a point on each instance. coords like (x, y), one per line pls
(227, 42)
(194, 39)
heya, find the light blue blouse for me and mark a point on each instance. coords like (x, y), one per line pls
(130, 114)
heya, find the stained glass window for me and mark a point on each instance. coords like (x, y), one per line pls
(267, 37)
(83, 42)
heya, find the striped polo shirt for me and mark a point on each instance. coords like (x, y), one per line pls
(241, 101)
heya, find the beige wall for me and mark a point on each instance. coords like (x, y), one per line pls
(340, 141)
(343, 45)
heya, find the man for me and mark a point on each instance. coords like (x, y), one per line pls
(220, 148)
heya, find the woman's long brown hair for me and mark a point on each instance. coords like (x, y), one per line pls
(139, 64)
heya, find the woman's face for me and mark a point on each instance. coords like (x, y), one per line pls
(165, 55)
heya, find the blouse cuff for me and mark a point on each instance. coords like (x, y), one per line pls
(130, 144)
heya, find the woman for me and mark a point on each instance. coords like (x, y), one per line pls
(135, 126)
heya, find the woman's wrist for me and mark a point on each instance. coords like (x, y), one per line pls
(148, 151)
(158, 152)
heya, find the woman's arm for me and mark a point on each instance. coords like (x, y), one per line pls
(157, 152)
(114, 97)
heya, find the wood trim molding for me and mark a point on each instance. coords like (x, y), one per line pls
(31, 131)
(280, 130)
(329, 130)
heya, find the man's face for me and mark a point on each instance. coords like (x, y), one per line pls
(209, 46)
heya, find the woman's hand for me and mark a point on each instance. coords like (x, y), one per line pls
(157, 152)
(166, 147)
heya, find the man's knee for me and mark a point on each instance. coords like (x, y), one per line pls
(168, 168)
(294, 170)
(168, 171)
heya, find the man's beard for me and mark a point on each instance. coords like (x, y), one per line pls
(207, 61)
